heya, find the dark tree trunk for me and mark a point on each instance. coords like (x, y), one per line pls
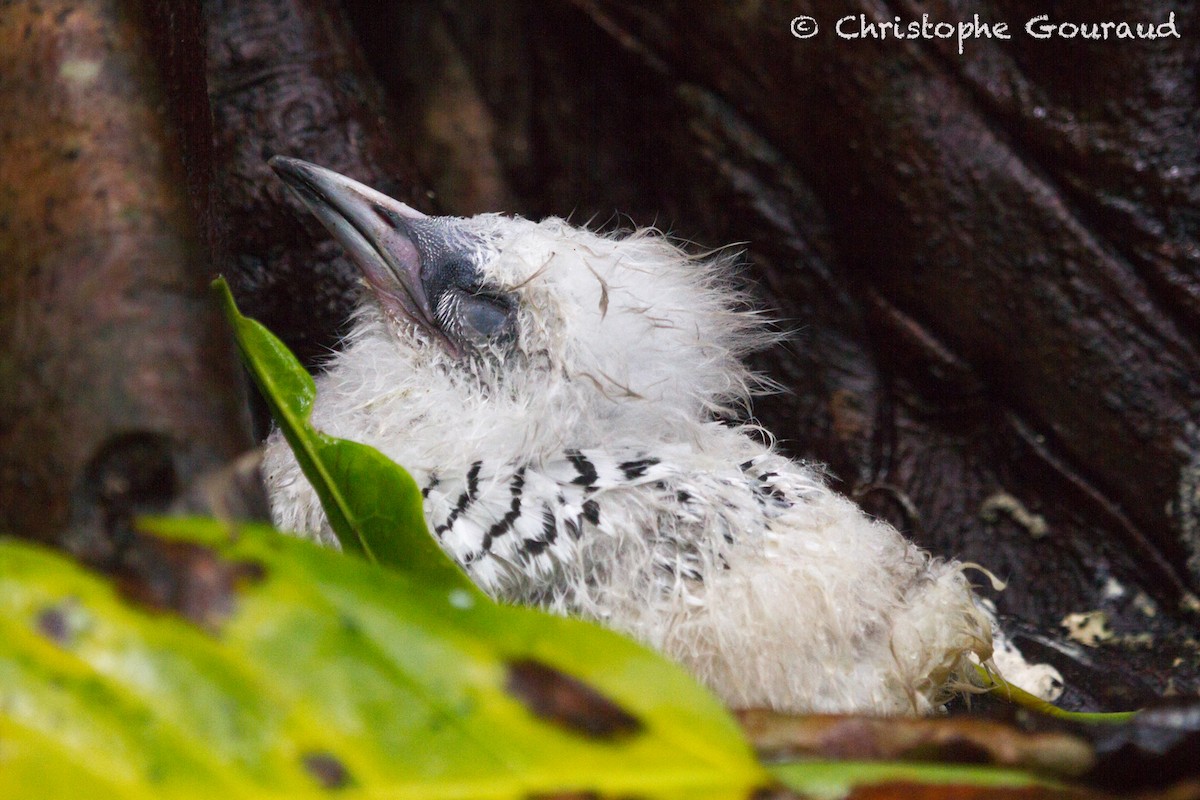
(287, 77)
(117, 379)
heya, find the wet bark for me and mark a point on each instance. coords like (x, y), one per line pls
(287, 77)
(110, 348)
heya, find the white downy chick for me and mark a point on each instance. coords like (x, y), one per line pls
(558, 394)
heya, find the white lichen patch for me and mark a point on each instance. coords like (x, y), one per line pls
(1145, 605)
(1136, 641)
(1002, 503)
(1112, 589)
(82, 71)
(1089, 628)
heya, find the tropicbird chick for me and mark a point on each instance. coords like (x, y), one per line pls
(556, 393)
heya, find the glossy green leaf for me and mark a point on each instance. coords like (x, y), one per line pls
(373, 504)
(325, 671)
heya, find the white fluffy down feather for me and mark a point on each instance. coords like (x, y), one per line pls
(558, 396)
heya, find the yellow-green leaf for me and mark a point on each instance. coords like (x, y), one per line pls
(316, 671)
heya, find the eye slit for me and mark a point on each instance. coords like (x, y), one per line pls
(476, 315)
(488, 316)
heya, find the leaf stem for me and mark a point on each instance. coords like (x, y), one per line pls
(1018, 696)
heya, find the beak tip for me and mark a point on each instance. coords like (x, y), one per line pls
(284, 165)
(369, 225)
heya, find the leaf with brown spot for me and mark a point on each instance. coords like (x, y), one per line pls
(183, 578)
(329, 771)
(330, 674)
(53, 624)
(569, 702)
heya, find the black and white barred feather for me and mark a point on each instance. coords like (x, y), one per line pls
(509, 524)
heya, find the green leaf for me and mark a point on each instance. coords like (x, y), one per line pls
(839, 779)
(309, 670)
(373, 505)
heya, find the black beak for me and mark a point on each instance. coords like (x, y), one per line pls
(374, 229)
